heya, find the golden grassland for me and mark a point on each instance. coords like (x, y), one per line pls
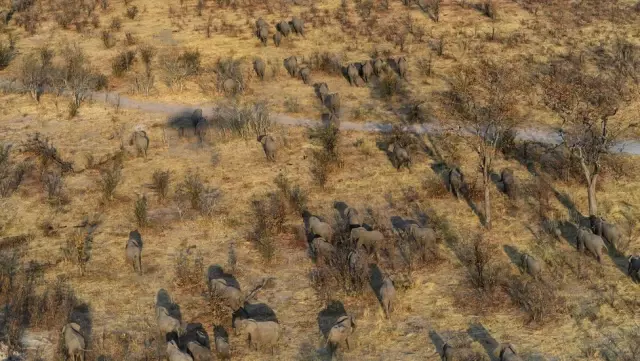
(121, 301)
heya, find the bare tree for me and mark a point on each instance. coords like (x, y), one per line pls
(34, 72)
(483, 98)
(77, 75)
(586, 104)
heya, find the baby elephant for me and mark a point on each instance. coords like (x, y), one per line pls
(166, 322)
(133, 250)
(387, 295)
(531, 266)
(592, 242)
(269, 146)
(198, 351)
(340, 332)
(634, 268)
(174, 353)
(265, 333)
(140, 139)
(508, 353)
(322, 249)
(456, 182)
(400, 156)
(221, 340)
(73, 341)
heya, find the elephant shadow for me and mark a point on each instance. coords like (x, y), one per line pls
(375, 280)
(384, 146)
(328, 316)
(400, 224)
(514, 255)
(497, 181)
(183, 120)
(393, 65)
(163, 299)
(260, 312)
(481, 335)
(437, 341)
(195, 332)
(81, 314)
(569, 232)
(217, 272)
(220, 332)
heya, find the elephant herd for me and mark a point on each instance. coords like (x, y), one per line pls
(283, 28)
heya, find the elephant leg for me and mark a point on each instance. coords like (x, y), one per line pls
(346, 341)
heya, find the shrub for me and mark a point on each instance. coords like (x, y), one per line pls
(200, 198)
(76, 249)
(269, 215)
(178, 66)
(132, 12)
(116, 24)
(232, 258)
(160, 183)
(130, 39)
(389, 85)
(109, 181)
(140, 211)
(293, 193)
(189, 271)
(243, 120)
(292, 105)
(539, 300)
(479, 257)
(328, 63)
(623, 344)
(123, 62)
(321, 167)
(336, 275)
(107, 39)
(230, 69)
(53, 185)
(7, 53)
(11, 173)
(488, 8)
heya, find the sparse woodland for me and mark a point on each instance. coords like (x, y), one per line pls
(319, 180)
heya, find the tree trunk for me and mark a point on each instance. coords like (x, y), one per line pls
(591, 192)
(487, 194)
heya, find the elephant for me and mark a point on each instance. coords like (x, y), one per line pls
(447, 352)
(259, 66)
(608, 231)
(269, 146)
(370, 240)
(633, 270)
(305, 74)
(332, 102)
(322, 90)
(260, 23)
(378, 67)
(175, 354)
(508, 353)
(291, 64)
(198, 351)
(284, 28)
(74, 341)
(354, 218)
(367, 71)
(340, 332)
(402, 67)
(277, 39)
(387, 295)
(400, 156)
(357, 261)
(133, 250)
(424, 237)
(509, 182)
(263, 35)
(590, 241)
(320, 228)
(140, 139)
(352, 73)
(531, 265)
(230, 86)
(456, 182)
(221, 340)
(166, 322)
(231, 296)
(201, 129)
(261, 333)
(297, 25)
(322, 249)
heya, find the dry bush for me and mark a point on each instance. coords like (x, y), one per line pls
(329, 63)
(230, 69)
(76, 249)
(144, 82)
(35, 72)
(53, 185)
(160, 183)
(178, 66)
(123, 62)
(335, 276)
(484, 270)
(539, 300)
(130, 39)
(232, 258)
(116, 24)
(269, 215)
(108, 39)
(389, 85)
(132, 12)
(197, 195)
(108, 182)
(296, 196)
(326, 159)
(489, 9)
(623, 345)
(7, 53)
(77, 75)
(434, 187)
(292, 105)
(243, 120)
(11, 173)
(140, 211)
(189, 271)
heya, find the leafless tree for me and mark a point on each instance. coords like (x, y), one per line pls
(587, 105)
(483, 97)
(76, 74)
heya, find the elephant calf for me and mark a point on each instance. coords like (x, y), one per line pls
(456, 182)
(198, 351)
(592, 242)
(221, 340)
(269, 147)
(387, 295)
(133, 250)
(140, 139)
(305, 74)
(340, 332)
(400, 156)
(321, 229)
(277, 39)
(447, 352)
(531, 266)
(322, 249)
(259, 66)
(175, 354)
(353, 217)
(508, 353)
(633, 270)
(73, 341)
(608, 231)
(166, 322)
(261, 334)
(322, 90)
(370, 240)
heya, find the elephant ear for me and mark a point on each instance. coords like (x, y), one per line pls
(261, 138)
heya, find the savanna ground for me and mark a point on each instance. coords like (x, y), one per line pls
(590, 305)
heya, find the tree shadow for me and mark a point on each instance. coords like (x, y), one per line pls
(217, 272)
(163, 299)
(328, 316)
(514, 255)
(481, 335)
